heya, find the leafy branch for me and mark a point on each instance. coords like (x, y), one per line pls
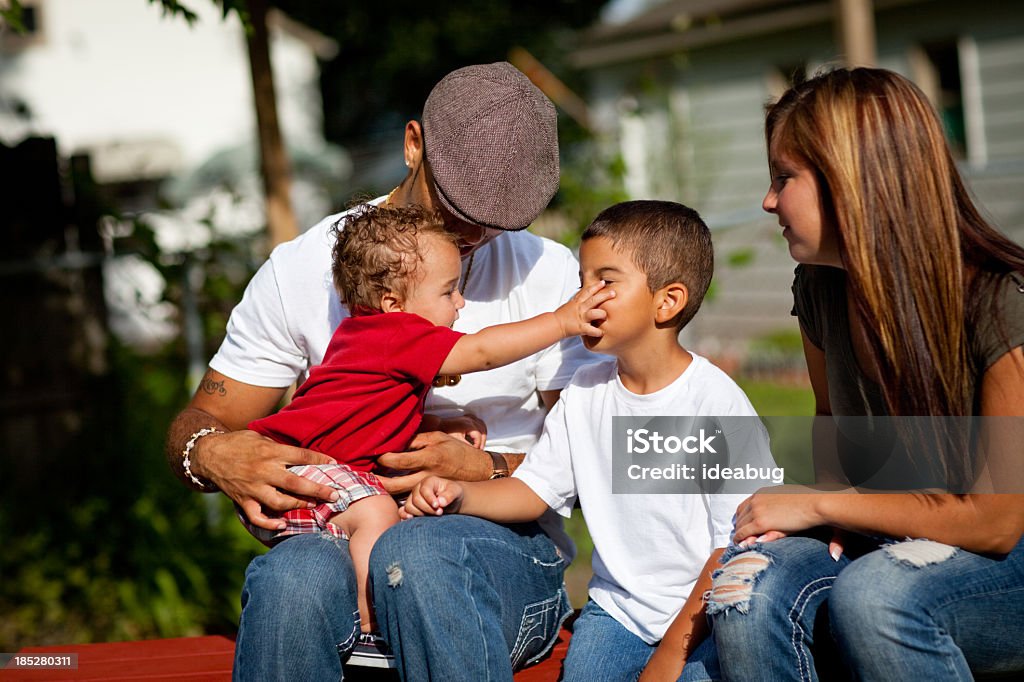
(174, 8)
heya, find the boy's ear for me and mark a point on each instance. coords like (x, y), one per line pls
(391, 303)
(670, 301)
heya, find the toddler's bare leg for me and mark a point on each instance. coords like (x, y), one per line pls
(364, 521)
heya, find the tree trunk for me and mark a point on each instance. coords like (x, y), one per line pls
(274, 166)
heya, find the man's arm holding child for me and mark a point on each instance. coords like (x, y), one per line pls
(687, 630)
(247, 467)
(505, 500)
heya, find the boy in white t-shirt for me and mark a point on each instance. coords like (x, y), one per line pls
(649, 549)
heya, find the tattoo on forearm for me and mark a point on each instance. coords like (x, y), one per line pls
(211, 387)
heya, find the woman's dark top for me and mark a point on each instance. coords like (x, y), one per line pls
(819, 295)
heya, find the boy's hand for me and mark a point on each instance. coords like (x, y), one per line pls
(433, 496)
(469, 427)
(575, 316)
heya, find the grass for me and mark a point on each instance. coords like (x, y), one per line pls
(768, 398)
(778, 400)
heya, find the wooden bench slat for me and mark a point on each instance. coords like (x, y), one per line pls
(191, 659)
(196, 659)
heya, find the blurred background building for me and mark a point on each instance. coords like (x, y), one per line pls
(149, 98)
(679, 91)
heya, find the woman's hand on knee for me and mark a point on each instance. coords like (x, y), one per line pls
(780, 510)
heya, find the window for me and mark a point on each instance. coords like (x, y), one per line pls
(936, 69)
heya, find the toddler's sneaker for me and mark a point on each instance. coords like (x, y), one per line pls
(371, 651)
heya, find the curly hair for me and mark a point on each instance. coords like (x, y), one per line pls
(376, 252)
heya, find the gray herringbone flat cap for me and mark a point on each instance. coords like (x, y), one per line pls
(492, 144)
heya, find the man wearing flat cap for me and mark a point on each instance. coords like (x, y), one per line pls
(457, 597)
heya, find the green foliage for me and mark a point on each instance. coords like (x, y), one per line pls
(577, 576)
(12, 16)
(174, 8)
(123, 550)
(388, 61)
(713, 291)
(784, 342)
(130, 553)
(591, 182)
(769, 398)
(136, 556)
(738, 258)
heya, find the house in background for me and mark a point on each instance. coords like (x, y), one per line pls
(161, 116)
(680, 91)
(148, 97)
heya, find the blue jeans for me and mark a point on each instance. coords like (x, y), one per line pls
(460, 598)
(299, 611)
(909, 610)
(602, 649)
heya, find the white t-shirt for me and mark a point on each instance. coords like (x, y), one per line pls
(649, 549)
(290, 309)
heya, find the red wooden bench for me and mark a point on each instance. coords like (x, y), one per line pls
(194, 659)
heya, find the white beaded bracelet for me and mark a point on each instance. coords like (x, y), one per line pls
(187, 463)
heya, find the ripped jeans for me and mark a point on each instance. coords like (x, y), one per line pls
(918, 609)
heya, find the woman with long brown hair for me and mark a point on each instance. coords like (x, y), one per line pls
(910, 305)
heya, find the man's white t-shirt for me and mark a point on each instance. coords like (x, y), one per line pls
(649, 549)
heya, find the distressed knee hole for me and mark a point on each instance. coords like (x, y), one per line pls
(732, 585)
(394, 572)
(919, 553)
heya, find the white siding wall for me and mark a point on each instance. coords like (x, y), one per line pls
(713, 114)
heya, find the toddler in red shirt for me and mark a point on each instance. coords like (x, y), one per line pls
(397, 270)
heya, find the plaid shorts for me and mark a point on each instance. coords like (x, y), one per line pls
(352, 486)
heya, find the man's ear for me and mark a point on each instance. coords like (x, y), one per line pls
(413, 147)
(391, 303)
(670, 301)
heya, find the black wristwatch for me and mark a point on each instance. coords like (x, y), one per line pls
(500, 466)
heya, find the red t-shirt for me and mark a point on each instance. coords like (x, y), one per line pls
(366, 398)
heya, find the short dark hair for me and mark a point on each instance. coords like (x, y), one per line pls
(667, 241)
(376, 251)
